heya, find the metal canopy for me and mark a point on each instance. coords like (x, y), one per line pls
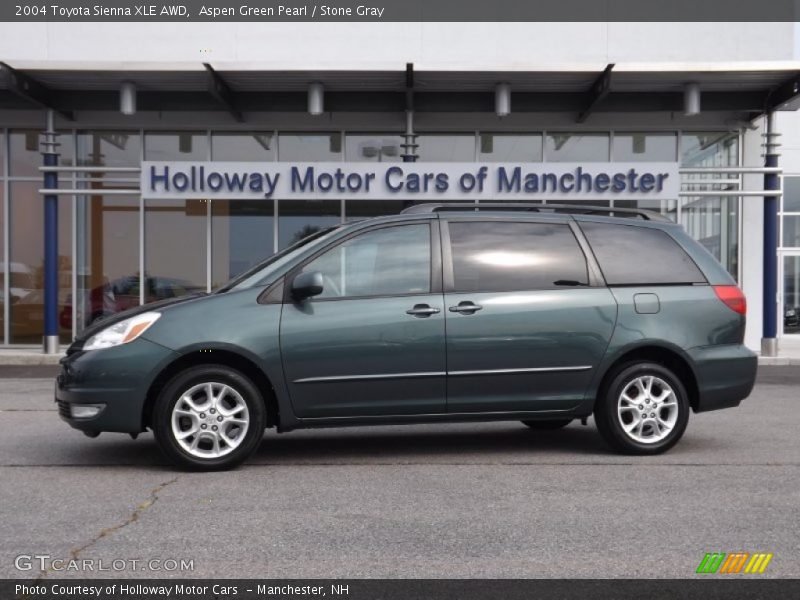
(236, 91)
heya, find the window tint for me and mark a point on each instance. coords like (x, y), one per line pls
(385, 262)
(639, 255)
(496, 256)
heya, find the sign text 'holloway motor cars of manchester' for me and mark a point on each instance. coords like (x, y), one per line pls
(418, 181)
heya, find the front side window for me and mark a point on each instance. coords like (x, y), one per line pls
(631, 255)
(497, 256)
(392, 261)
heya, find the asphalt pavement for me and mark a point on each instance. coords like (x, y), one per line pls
(445, 500)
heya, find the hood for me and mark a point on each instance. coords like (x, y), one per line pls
(125, 314)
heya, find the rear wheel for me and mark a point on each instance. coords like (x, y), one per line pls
(209, 418)
(644, 410)
(548, 425)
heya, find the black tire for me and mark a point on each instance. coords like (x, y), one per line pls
(548, 425)
(194, 376)
(609, 423)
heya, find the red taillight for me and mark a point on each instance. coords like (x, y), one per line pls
(733, 297)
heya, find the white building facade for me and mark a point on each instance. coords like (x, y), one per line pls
(388, 92)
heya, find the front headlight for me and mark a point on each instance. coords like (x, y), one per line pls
(122, 332)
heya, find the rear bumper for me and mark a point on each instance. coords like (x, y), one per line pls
(117, 379)
(725, 375)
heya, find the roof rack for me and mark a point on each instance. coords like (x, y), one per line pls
(588, 209)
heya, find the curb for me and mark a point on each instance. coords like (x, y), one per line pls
(20, 359)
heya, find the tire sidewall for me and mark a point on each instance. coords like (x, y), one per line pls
(608, 421)
(169, 396)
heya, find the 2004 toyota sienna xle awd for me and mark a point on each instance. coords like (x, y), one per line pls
(541, 314)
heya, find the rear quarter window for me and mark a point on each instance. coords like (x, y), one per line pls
(631, 255)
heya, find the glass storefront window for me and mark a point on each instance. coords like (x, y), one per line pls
(176, 145)
(709, 149)
(241, 236)
(26, 277)
(108, 257)
(174, 248)
(310, 147)
(503, 147)
(791, 231)
(446, 148)
(791, 294)
(25, 155)
(300, 218)
(576, 147)
(255, 146)
(714, 222)
(791, 194)
(373, 148)
(668, 208)
(358, 210)
(643, 147)
(109, 149)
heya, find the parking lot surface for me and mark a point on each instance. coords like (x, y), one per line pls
(444, 500)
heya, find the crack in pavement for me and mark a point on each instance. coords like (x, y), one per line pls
(74, 553)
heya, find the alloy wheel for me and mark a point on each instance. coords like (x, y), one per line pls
(647, 409)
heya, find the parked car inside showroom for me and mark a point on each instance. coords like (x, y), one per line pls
(536, 313)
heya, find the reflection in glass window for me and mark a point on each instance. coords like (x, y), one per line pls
(507, 256)
(709, 149)
(371, 265)
(109, 149)
(643, 147)
(176, 145)
(446, 148)
(25, 155)
(504, 147)
(791, 294)
(108, 257)
(241, 236)
(791, 194)
(373, 148)
(255, 146)
(639, 255)
(175, 248)
(300, 218)
(576, 147)
(26, 276)
(310, 147)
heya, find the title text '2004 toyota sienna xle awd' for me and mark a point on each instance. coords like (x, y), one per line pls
(541, 314)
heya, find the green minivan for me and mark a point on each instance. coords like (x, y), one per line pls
(445, 312)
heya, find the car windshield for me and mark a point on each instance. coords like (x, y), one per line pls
(259, 274)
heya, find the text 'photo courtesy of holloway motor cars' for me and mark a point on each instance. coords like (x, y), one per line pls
(535, 313)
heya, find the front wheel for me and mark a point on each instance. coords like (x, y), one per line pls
(209, 418)
(644, 410)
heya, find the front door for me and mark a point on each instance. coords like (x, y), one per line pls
(373, 342)
(528, 321)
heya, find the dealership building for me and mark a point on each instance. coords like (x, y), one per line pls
(86, 110)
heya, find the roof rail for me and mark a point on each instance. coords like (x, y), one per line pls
(588, 209)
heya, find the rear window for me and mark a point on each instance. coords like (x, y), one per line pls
(630, 255)
(502, 256)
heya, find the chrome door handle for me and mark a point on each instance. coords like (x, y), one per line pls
(422, 310)
(465, 308)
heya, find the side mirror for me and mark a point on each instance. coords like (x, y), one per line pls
(307, 285)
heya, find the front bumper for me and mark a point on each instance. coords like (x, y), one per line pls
(116, 378)
(725, 375)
